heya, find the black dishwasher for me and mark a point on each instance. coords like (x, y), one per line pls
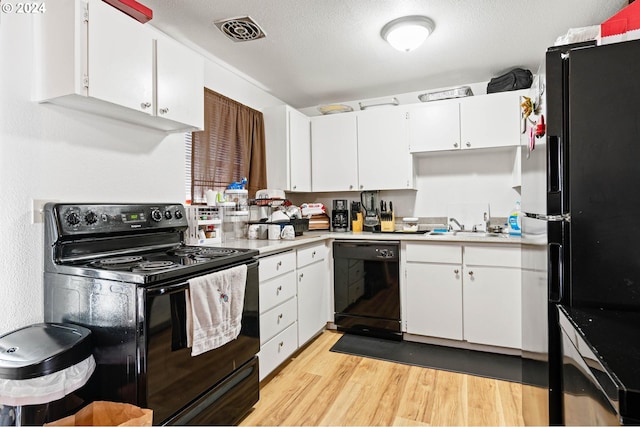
(367, 288)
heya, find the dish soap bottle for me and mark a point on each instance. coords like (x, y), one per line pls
(514, 222)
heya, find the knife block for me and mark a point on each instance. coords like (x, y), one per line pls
(388, 224)
(356, 224)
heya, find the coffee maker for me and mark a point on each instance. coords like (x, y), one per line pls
(340, 216)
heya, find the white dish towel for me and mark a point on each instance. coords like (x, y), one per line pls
(214, 308)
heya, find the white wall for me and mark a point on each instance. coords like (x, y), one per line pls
(48, 152)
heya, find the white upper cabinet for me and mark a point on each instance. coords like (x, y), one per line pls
(180, 88)
(482, 121)
(288, 140)
(490, 120)
(334, 152)
(384, 161)
(434, 126)
(92, 57)
(300, 151)
(364, 150)
(123, 55)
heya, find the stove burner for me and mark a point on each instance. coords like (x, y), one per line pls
(201, 253)
(214, 252)
(186, 250)
(153, 266)
(118, 261)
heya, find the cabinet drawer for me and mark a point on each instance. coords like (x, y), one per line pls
(442, 252)
(274, 265)
(277, 290)
(274, 352)
(274, 321)
(311, 254)
(492, 255)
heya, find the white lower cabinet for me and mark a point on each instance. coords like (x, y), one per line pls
(294, 302)
(278, 310)
(313, 292)
(492, 301)
(276, 351)
(274, 321)
(434, 290)
(467, 292)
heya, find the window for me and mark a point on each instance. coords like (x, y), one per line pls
(231, 146)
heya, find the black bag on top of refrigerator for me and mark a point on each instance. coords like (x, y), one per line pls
(518, 78)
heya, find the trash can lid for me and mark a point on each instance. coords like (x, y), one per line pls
(41, 349)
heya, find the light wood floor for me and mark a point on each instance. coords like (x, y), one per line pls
(321, 388)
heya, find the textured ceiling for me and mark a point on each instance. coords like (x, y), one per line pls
(325, 51)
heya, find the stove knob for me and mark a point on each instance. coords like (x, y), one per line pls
(156, 215)
(167, 215)
(178, 214)
(73, 218)
(91, 217)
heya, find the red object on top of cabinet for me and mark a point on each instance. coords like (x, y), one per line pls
(137, 11)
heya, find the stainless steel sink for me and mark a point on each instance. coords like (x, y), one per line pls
(462, 233)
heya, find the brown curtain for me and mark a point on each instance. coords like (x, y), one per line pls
(231, 146)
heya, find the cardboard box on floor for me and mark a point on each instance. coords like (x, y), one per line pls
(103, 413)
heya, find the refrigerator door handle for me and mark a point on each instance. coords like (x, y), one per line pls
(556, 273)
(550, 218)
(554, 164)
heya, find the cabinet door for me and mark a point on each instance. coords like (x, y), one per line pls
(434, 300)
(434, 126)
(384, 161)
(299, 151)
(492, 307)
(334, 152)
(490, 121)
(120, 59)
(180, 83)
(313, 300)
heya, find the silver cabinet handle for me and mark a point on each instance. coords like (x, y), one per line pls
(279, 289)
(313, 255)
(301, 276)
(280, 344)
(471, 273)
(278, 265)
(468, 144)
(279, 317)
(456, 271)
(163, 110)
(295, 186)
(145, 105)
(455, 145)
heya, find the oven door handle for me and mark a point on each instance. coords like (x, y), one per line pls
(165, 290)
(177, 287)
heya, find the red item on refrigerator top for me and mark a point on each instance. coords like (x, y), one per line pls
(137, 11)
(628, 19)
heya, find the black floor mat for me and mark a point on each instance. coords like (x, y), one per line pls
(490, 365)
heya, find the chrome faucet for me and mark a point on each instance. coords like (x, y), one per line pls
(461, 226)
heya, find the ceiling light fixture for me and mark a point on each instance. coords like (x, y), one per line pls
(408, 32)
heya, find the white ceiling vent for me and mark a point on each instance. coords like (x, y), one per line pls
(242, 29)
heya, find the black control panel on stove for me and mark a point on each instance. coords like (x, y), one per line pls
(72, 219)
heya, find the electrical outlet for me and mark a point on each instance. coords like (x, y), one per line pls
(38, 210)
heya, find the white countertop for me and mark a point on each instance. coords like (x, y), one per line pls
(270, 246)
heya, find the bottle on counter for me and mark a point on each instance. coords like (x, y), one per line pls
(514, 221)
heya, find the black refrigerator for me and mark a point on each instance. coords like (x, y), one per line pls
(581, 243)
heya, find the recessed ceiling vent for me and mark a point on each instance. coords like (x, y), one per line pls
(242, 29)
